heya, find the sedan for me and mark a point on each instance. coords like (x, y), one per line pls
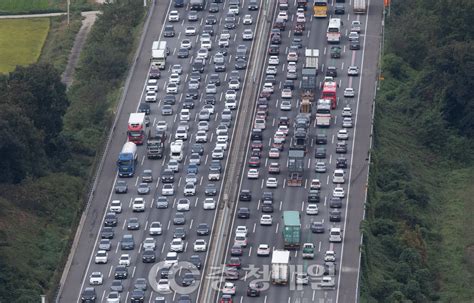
(133, 224)
(349, 92)
(203, 125)
(253, 173)
(272, 182)
(274, 153)
(317, 227)
(143, 189)
(183, 53)
(186, 43)
(273, 60)
(347, 122)
(286, 93)
(312, 209)
(200, 245)
(263, 250)
(166, 110)
(353, 71)
(247, 20)
(320, 167)
(266, 220)
(285, 105)
(338, 192)
(183, 205)
(247, 34)
(121, 187)
(343, 134)
(240, 64)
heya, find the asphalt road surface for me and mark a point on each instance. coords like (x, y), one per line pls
(286, 198)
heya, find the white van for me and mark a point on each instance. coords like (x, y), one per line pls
(338, 177)
(335, 235)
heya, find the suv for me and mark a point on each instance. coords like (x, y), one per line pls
(245, 195)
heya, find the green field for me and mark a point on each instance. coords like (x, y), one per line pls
(21, 41)
(23, 5)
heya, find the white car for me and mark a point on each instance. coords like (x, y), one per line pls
(292, 56)
(174, 78)
(177, 245)
(353, 36)
(301, 278)
(247, 20)
(272, 182)
(356, 26)
(149, 243)
(171, 258)
(113, 297)
(167, 190)
(205, 37)
(312, 209)
(266, 220)
(96, 278)
(285, 105)
(183, 204)
(177, 69)
(156, 228)
(353, 71)
(184, 115)
(247, 34)
(347, 112)
(268, 87)
(203, 125)
(173, 16)
(228, 289)
(349, 92)
(241, 229)
(327, 282)
(234, 84)
(223, 42)
(263, 250)
(286, 93)
(116, 206)
(222, 130)
(343, 134)
(190, 31)
(253, 173)
(209, 203)
(291, 67)
(230, 95)
(203, 53)
(163, 286)
(283, 129)
(234, 8)
(347, 122)
(186, 43)
(283, 15)
(217, 153)
(300, 19)
(172, 88)
(211, 88)
(279, 137)
(338, 192)
(200, 245)
(150, 96)
(138, 205)
(330, 256)
(271, 70)
(206, 44)
(273, 60)
(152, 85)
(189, 189)
(101, 257)
(274, 153)
(124, 260)
(161, 126)
(201, 136)
(338, 177)
(231, 104)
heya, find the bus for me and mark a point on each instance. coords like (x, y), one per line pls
(323, 113)
(333, 34)
(320, 8)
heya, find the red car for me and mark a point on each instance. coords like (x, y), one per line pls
(235, 262)
(256, 144)
(226, 299)
(254, 162)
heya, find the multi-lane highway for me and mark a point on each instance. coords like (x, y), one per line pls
(285, 198)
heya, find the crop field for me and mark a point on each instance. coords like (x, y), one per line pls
(23, 5)
(21, 41)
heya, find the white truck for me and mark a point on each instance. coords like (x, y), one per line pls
(280, 270)
(159, 52)
(360, 7)
(323, 113)
(176, 150)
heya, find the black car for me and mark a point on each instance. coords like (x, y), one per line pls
(121, 187)
(297, 42)
(169, 31)
(243, 213)
(192, 93)
(179, 219)
(321, 139)
(164, 273)
(236, 251)
(154, 73)
(144, 108)
(210, 189)
(253, 290)
(88, 295)
(267, 196)
(188, 279)
(169, 99)
(197, 148)
(203, 229)
(289, 84)
(240, 64)
(313, 196)
(184, 299)
(210, 99)
(188, 103)
(195, 75)
(354, 45)
(208, 29)
(167, 176)
(253, 5)
(229, 25)
(107, 233)
(320, 153)
(111, 219)
(335, 215)
(215, 79)
(211, 19)
(137, 296)
(121, 272)
(196, 261)
(341, 162)
(183, 53)
(331, 71)
(335, 202)
(267, 207)
(180, 233)
(339, 9)
(317, 227)
(274, 49)
(213, 8)
(148, 256)
(245, 195)
(219, 67)
(222, 50)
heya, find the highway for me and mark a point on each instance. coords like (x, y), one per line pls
(295, 198)
(83, 260)
(285, 198)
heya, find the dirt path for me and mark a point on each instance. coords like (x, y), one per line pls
(87, 22)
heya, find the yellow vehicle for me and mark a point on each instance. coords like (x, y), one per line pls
(320, 8)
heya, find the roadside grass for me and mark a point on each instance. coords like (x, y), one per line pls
(41, 6)
(21, 41)
(60, 40)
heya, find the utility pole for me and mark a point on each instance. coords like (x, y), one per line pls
(68, 4)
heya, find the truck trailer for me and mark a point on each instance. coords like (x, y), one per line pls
(291, 229)
(127, 160)
(280, 270)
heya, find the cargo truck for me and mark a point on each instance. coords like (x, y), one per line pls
(360, 7)
(295, 166)
(159, 52)
(308, 251)
(136, 128)
(155, 145)
(176, 150)
(127, 160)
(291, 229)
(309, 73)
(280, 270)
(323, 113)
